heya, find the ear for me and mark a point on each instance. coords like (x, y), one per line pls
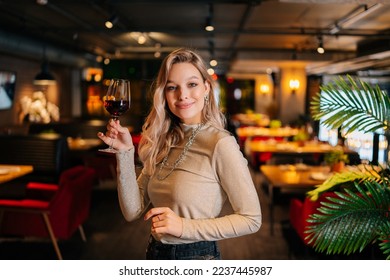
(207, 88)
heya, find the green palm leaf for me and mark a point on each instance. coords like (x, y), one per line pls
(346, 179)
(349, 222)
(385, 239)
(352, 105)
(360, 214)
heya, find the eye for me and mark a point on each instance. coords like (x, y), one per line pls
(170, 88)
(192, 85)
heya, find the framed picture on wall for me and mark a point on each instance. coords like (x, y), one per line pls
(7, 89)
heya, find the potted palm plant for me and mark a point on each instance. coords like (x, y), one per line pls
(360, 214)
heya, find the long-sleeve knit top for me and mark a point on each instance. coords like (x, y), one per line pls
(213, 171)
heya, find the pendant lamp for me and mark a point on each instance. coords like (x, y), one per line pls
(44, 77)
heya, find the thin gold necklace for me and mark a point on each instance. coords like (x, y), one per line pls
(181, 157)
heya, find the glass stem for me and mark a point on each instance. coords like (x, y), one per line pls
(114, 118)
(112, 144)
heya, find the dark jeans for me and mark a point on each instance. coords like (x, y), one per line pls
(203, 250)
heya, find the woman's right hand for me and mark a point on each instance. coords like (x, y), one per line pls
(117, 136)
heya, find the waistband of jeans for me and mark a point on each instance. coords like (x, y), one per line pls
(182, 247)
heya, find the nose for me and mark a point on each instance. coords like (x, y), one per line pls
(182, 93)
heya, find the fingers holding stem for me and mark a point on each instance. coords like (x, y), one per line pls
(112, 144)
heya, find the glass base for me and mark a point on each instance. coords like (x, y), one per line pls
(108, 150)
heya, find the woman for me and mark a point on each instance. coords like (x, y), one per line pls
(191, 166)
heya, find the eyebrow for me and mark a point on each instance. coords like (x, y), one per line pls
(190, 78)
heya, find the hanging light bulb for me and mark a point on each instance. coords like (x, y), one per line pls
(111, 22)
(320, 48)
(209, 26)
(209, 20)
(213, 62)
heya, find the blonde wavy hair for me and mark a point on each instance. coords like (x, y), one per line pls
(161, 129)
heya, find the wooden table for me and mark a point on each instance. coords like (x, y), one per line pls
(84, 144)
(282, 152)
(251, 131)
(292, 178)
(286, 147)
(246, 133)
(11, 172)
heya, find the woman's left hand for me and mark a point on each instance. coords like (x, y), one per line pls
(165, 221)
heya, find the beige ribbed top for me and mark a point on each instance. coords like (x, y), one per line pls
(213, 170)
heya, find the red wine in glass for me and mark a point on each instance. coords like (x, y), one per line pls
(117, 102)
(116, 108)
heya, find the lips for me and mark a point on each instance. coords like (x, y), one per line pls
(184, 105)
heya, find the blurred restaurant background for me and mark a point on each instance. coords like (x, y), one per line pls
(268, 58)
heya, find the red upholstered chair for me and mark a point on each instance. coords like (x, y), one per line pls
(50, 210)
(136, 139)
(300, 211)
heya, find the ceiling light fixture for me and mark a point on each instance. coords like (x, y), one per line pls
(335, 29)
(320, 48)
(111, 21)
(209, 21)
(44, 78)
(42, 2)
(351, 19)
(209, 26)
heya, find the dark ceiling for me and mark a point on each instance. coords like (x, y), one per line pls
(249, 36)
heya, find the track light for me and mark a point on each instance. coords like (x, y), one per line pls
(111, 21)
(320, 48)
(209, 21)
(209, 26)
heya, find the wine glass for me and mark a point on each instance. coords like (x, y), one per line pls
(117, 102)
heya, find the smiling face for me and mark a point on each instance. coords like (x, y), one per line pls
(185, 92)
